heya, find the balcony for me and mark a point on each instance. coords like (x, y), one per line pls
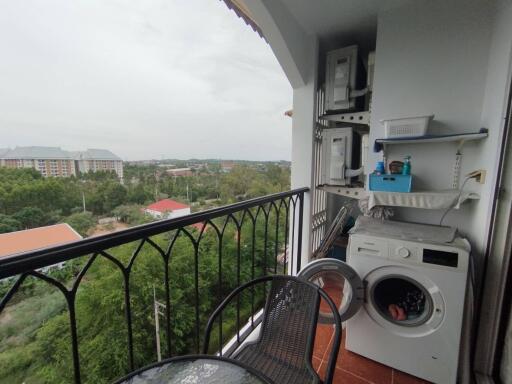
(147, 291)
(169, 276)
(113, 285)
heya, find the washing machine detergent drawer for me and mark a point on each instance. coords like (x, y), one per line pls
(361, 246)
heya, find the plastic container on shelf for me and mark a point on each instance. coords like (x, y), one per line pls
(390, 183)
(406, 126)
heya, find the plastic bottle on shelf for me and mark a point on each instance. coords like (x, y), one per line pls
(406, 170)
(379, 169)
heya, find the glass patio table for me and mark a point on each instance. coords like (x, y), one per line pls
(196, 369)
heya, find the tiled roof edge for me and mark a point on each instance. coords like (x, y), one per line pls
(244, 16)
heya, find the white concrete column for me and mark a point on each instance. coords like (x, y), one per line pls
(297, 53)
(304, 110)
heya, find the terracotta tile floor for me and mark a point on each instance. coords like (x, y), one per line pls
(352, 368)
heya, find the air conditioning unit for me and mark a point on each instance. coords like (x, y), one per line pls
(345, 80)
(340, 152)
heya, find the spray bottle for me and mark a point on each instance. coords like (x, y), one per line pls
(380, 169)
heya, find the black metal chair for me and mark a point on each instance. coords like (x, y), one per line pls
(284, 348)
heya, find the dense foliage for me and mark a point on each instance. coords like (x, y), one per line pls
(35, 344)
(27, 200)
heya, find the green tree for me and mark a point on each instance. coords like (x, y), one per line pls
(138, 195)
(278, 176)
(114, 194)
(31, 217)
(237, 183)
(81, 222)
(99, 175)
(8, 224)
(131, 214)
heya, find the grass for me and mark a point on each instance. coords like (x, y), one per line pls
(19, 324)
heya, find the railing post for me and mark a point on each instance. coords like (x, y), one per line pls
(70, 298)
(128, 315)
(299, 236)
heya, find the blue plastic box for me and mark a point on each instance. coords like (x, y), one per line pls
(390, 183)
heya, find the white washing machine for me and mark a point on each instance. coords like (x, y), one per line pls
(403, 296)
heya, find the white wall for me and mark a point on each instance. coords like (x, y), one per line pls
(433, 57)
(168, 214)
(178, 213)
(154, 214)
(304, 101)
(493, 115)
(494, 106)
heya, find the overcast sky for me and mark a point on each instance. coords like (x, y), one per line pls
(143, 78)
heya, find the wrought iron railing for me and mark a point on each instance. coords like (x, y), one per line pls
(231, 245)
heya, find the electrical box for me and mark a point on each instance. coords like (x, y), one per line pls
(340, 152)
(344, 76)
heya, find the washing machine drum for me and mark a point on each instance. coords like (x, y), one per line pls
(340, 282)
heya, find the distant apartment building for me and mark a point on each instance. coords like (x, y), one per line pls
(50, 161)
(3, 151)
(55, 162)
(94, 160)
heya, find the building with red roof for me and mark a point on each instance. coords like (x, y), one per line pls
(167, 209)
(37, 238)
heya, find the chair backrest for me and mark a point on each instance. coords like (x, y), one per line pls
(290, 318)
(288, 327)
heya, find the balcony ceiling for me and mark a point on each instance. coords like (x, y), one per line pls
(291, 25)
(340, 19)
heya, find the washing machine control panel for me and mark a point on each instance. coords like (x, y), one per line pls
(438, 257)
(403, 252)
(409, 252)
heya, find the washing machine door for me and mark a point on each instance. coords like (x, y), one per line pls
(411, 290)
(342, 284)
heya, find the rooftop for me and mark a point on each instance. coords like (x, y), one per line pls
(98, 154)
(30, 153)
(244, 13)
(36, 238)
(37, 152)
(166, 205)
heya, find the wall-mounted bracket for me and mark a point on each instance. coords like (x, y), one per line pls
(349, 118)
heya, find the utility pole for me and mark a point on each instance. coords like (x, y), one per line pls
(157, 307)
(83, 199)
(188, 198)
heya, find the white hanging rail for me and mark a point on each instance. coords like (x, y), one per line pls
(460, 137)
